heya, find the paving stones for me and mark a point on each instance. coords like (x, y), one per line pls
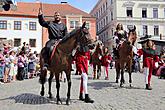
(24, 95)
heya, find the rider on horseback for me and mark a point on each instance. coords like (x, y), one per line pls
(56, 30)
(120, 36)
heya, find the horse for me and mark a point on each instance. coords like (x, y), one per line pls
(125, 57)
(62, 60)
(95, 60)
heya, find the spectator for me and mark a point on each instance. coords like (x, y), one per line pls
(7, 68)
(106, 59)
(13, 65)
(2, 65)
(21, 62)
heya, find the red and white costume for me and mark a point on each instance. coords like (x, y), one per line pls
(149, 60)
(82, 66)
(106, 59)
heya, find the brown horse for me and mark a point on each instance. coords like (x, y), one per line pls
(96, 61)
(125, 57)
(62, 60)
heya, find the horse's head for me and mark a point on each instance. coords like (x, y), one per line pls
(132, 36)
(85, 38)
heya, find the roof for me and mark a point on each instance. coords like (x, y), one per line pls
(31, 9)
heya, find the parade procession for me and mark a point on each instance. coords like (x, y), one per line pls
(82, 54)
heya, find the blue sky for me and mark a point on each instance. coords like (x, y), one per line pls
(85, 5)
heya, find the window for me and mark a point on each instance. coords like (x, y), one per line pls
(74, 24)
(156, 30)
(32, 26)
(3, 24)
(145, 30)
(87, 25)
(144, 12)
(111, 15)
(107, 20)
(2, 39)
(164, 12)
(129, 11)
(155, 12)
(32, 42)
(17, 25)
(111, 1)
(104, 23)
(112, 31)
(103, 7)
(17, 42)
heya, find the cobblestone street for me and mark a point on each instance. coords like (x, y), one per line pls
(24, 95)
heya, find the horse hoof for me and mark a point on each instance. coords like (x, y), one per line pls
(117, 81)
(42, 93)
(59, 102)
(130, 85)
(68, 102)
(121, 85)
(50, 96)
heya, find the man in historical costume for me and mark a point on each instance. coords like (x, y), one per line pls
(150, 60)
(56, 29)
(82, 58)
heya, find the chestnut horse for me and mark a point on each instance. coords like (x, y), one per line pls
(125, 57)
(62, 60)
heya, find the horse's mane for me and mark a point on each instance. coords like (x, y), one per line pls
(69, 35)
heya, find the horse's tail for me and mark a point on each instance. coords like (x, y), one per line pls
(43, 73)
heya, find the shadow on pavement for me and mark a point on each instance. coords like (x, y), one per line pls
(28, 98)
(101, 85)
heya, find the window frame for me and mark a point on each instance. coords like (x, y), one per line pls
(4, 23)
(31, 25)
(16, 25)
(31, 44)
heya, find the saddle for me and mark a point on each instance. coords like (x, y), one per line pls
(51, 51)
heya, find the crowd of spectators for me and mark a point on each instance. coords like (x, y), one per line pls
(18, 63)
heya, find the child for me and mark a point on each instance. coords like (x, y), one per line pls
(106, 59)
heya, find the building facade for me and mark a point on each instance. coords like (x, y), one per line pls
(147, 15)
(20, 24)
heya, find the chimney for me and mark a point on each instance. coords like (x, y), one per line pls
(64, 2)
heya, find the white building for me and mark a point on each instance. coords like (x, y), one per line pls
(147, 15)
(20, 29)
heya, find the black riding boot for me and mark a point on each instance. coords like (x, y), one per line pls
(87, 99)
(148, 87)
(116, 53)
(81, 97)
(46, 58)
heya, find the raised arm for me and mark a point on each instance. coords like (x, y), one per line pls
(41, 19)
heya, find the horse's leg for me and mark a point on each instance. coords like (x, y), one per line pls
(50, 82)
(68, 73)
(42, 79)
(94, 71)
(58, 88)
(130, 74)
(122, 78)
(98, 71)
(117, 66)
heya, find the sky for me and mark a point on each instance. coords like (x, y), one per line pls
(85, 5)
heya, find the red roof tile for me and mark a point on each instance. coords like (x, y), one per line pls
(31, 9)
